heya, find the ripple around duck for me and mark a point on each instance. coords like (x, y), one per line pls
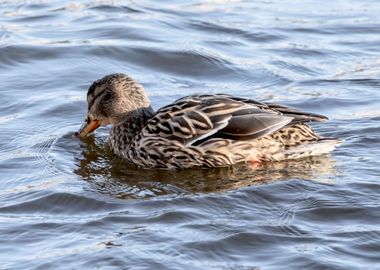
(296, 68)
(30, 19)
(213, 28)
(354, 29)
(118, 33)
(342, 82)
(321, 211)
(246, 242)
(183, 63)
(60, 204)
(13, 55)
(115, 9)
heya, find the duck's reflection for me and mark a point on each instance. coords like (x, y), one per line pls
(109, 174)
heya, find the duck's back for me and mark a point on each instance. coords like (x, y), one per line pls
(221, 130)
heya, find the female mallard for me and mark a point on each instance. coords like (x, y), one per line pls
(198, 130)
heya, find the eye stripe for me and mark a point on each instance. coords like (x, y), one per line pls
(93, 100)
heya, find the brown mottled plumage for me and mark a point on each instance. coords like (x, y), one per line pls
(198, 130)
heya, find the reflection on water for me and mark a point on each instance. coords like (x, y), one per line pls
(109, 174)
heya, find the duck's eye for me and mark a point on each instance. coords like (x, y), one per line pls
(107, 96)
(87, 120)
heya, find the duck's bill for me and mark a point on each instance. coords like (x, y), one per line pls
(87, 128)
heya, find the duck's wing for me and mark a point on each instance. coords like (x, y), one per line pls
(298, 115)
(194, 119)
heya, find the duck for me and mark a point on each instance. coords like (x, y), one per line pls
(207, 130)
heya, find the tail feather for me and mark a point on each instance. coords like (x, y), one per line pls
(316, 148)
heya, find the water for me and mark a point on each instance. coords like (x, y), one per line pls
(74, 205)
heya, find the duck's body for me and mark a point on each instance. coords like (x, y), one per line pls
(200, 130)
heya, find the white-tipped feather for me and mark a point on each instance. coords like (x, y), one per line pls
(323, 146)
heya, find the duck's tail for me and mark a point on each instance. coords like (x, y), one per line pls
(320, 147)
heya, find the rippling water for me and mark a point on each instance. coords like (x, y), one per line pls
(74, 205)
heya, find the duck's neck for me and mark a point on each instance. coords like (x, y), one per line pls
(123, 133)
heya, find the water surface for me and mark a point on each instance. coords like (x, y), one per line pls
(74, 205)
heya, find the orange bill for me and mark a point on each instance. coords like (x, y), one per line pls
(87, 128)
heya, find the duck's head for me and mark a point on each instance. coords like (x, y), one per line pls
(110, 101)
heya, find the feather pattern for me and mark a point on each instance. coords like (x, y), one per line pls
(221, 130)
(201, 130)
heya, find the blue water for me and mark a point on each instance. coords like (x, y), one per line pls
(70, 204)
